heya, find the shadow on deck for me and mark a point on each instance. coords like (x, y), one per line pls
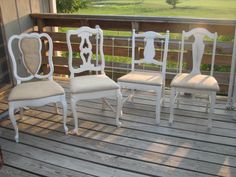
(138, 148)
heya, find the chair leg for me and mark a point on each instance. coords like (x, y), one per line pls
(172, 104)
(22, 113)
(207, 105)
(131, 97)
(158, 104)
(64, 105)
(212, 109)
(56, 108)
(13, 121)
(22, 117)
(73, 107)
(119, 108)
(163, 96)
(177, 103)
(103, 104)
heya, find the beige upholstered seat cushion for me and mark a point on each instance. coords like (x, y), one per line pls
(139, 77)
(35, 90)
(92, 83)
(195, 81)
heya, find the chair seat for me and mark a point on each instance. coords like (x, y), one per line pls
(35, 90)
(195, 81)
(139, 77)
(92, 83)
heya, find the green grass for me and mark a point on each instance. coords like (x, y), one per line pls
(220, 9)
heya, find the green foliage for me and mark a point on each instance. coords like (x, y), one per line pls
(172, 3)
(65, 6)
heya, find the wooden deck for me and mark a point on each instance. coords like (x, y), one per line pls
(138, 148)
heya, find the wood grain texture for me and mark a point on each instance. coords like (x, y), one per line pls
(139, 147)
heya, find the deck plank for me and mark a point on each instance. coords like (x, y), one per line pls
(174, 159)
(121, 138)
(123, 162)
(8, 171)
(36, 167)
(182, 134)
(62, 160)
(139, 147)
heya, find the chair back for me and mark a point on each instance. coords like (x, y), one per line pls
(85, 34)
(30, 48)
(198, 48)
(150, 50)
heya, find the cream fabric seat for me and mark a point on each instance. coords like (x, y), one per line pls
(139, 77)
(35, 90)
(195, 81)
(92, 83)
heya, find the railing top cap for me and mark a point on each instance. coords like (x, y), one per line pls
(134, 18)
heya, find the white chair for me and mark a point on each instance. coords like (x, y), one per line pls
(195, 82)
(34, 93)
(145, 79)
(90, 86)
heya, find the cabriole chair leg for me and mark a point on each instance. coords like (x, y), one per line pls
(172, 104)
(158, 105)
(119, 106)
(73, 107)
(13, 121)
(64, 105)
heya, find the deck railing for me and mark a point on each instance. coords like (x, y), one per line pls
(121, 45)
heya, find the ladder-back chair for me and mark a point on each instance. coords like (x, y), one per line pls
(145, 80)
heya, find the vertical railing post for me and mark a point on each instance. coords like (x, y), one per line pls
(232, 83)
(41, 26)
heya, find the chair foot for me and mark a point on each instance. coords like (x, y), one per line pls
(118, 123)
(157, 121)
(66, 129)
(75, 131)
(209, 128)
(170, 123)
(17, 137)
(121, 113)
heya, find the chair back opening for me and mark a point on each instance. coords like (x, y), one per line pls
(150, 50)
(203, 44)
(32, 50)
(85, 50)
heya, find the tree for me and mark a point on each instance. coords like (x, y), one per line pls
(172, 2)
(70, 6)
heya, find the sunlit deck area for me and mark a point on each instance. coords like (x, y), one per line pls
(138, 148)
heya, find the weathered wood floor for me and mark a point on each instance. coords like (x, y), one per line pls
(138, 148)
